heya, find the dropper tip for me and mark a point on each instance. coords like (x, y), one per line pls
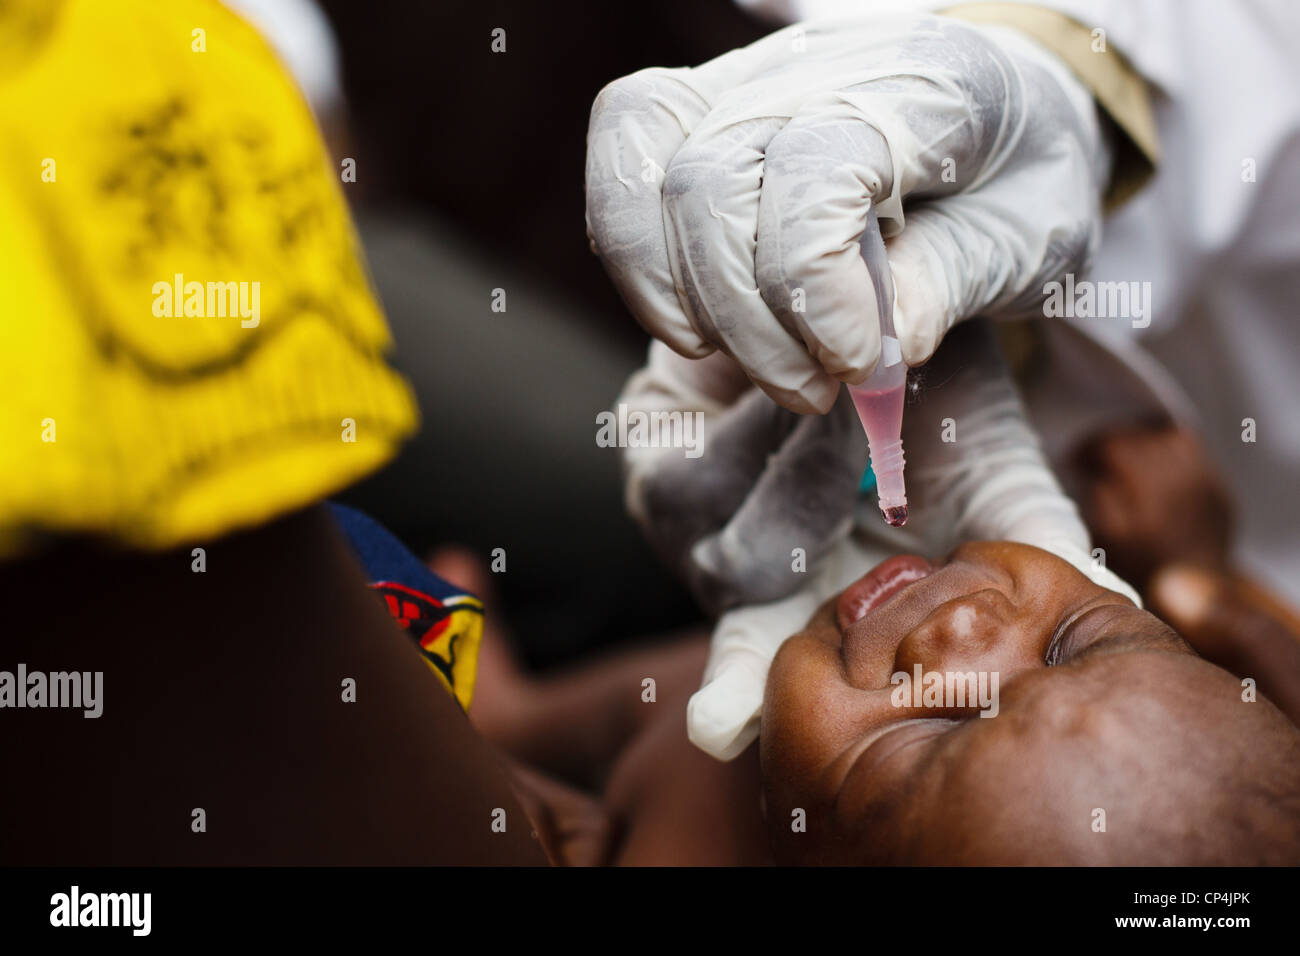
(895, 516)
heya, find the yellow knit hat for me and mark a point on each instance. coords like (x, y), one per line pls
(188, 339)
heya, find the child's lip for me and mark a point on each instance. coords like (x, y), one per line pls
(878, 585)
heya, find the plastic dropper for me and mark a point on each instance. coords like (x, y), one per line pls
(879, 400)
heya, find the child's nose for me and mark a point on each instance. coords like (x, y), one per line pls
(964, 634)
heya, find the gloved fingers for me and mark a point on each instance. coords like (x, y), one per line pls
(950, 100)
(942, 265)
(678, 500)
(821, 176)
(1034, 512)
(975, 456)
(829, 169)
(672, 385)
(991, 478)
(637, 124)
(711, 383)
(799, 508)
(981, 252)
(932, 131)
(711, 199)
(722, 716)
(956, 413)
(995, 482)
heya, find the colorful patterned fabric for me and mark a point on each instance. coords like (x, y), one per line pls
(445, 622)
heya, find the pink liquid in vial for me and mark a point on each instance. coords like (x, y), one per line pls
(881, 413)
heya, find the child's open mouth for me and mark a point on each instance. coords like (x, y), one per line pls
(878, 585)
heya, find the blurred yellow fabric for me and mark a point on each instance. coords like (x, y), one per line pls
(147, 147)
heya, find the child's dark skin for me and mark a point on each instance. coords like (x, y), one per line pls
(222, 692)
(662, 800)
(1126, 719)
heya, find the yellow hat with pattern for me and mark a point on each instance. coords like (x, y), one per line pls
(188, 339)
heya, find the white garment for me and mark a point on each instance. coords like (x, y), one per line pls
(304, 41)
(1222, 253)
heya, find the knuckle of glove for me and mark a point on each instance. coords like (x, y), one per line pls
(635, 93)
(722, 576)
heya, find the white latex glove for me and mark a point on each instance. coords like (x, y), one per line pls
(766, 481)
(991, 483)
(722, 716)
(727, 201)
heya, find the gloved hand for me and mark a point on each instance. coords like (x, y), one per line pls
(975, 464)
(722, 716)
(765, 483)
(729, 522)
(727, 201)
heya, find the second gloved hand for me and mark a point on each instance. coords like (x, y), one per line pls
(768, 495)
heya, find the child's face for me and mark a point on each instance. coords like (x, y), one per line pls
(1100, 707)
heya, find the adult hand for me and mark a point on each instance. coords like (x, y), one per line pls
(728, 201)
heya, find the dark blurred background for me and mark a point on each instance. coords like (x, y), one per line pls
(496, 143)
(470, 178)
